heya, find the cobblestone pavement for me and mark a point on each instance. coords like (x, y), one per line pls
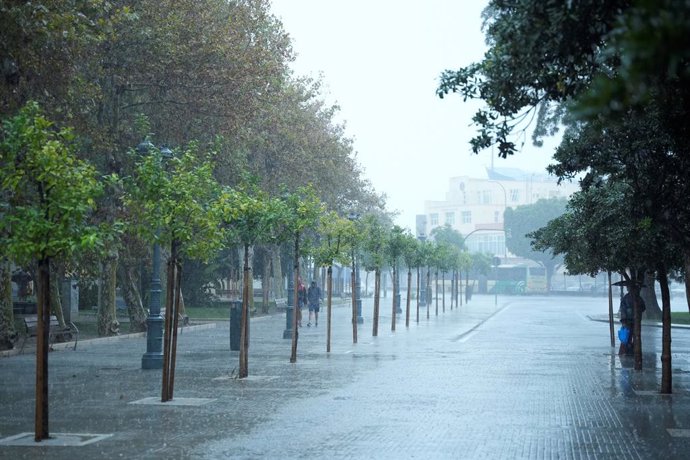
(528, 377)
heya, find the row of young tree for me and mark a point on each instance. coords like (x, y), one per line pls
(616, 75)
(115, 72)
(52, 208)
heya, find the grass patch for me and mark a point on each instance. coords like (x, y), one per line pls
(680, 317)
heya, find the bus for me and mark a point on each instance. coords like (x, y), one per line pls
(517, 279)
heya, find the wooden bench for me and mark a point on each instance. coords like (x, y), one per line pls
(55, 330)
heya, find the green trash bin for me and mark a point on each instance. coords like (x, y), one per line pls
(235, 324)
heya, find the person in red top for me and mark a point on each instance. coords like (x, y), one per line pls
(301, 300)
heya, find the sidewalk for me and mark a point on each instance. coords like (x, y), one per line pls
(527, 378)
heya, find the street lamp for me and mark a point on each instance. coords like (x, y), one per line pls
(153, 358)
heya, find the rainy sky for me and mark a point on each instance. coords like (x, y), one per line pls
(380, 61)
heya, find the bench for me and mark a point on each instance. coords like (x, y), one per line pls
(54, 331)
(281, 304)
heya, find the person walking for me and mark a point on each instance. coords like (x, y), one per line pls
(627, 319)
(314, 299)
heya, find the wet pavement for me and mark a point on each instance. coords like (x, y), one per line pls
(528, 377)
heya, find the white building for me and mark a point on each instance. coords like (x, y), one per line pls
(475, 207)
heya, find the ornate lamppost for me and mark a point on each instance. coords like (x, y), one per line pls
(153, 358)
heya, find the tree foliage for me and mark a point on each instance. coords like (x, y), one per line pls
(48, 194)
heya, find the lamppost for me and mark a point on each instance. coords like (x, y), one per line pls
(290, 308)
(153, 358)
(358, 282)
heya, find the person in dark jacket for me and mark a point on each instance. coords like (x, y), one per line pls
(627, 318)
(314, 298)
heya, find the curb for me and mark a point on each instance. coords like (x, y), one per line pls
(95, 341)
(644, 323)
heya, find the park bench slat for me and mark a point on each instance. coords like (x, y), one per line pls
(31, 325)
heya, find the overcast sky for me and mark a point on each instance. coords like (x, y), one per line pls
(380, 61)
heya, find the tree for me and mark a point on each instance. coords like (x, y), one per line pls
(395, 248)
(334, 231)
(178, 204)
(251, 216)
(375, 242)
(456, 242)
(525, 219)
(598, 232)
(541, 54)
(410, 257)
(303, 211)
(50, 195)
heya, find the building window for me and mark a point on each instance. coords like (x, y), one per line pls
(496, 216)
(486, 197)
(450, 218)
(434, 219)
(492, 244)
(514, 195)
(466, 217)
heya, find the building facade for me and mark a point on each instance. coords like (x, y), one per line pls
(475, 207)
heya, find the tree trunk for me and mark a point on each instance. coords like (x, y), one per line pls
(172, 309)
(295, 333)
(377, 300)
(278, 285)
(329, 308)
(107, 316)
(666, 369)
(8, 333)
(42, 344)
(649, 296)
(56, 271)
(129, 283)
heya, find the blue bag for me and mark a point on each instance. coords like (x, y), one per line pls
(624, 334)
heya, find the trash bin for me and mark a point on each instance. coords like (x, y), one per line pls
(235, 324)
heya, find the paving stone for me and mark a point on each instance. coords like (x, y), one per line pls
(533, 377)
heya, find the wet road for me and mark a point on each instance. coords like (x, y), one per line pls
(530, 377)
